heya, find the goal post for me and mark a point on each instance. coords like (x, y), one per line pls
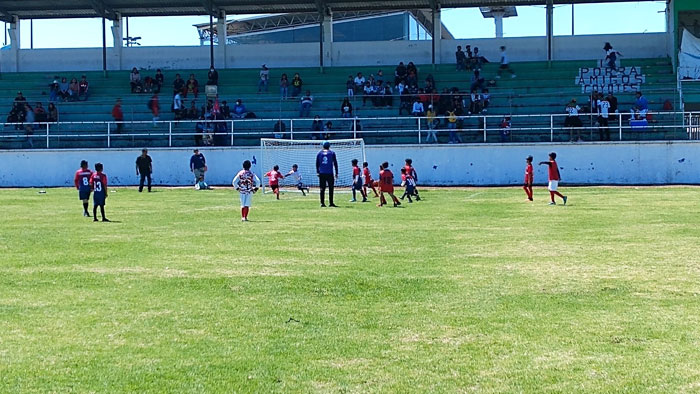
(286, 153)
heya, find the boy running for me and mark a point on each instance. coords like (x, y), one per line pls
(82, 183)
(246, 183)
(357, 182)
(98, 184)
(297, 177)
(386, 185)
(529, 178)
(554, 178)
(410, 185)
(275, 175)
(411, 172)
(367, 175)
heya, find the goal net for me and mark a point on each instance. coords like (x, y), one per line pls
(286, 153)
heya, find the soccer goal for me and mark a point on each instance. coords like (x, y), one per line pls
(286, 153)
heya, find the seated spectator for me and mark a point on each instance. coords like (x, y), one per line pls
(368, 91)
(478, 60)
(148, 85)
(306, 103)
(418, 108)
(213, 77)
(54, 90)
(192, 112)
(380, 77)
(505, 129)
(64, 89)
(641, 105)
(316, 128)
(279, 129)
(159, 78)
(73, 89)
(39, 113)
(191, 87)
(52, 113)
(135, 81)
(461, 58)
(29, 123)
(83, 89)
(387, 96)
(346, 108)
(378, 95)
(474, 102)
(178, 85)
(328, 130)
(16, 116)
(178, 108)
(477, 81)
(239, 110)
(400, 73)
(359, 83)
(297, 84)
(264, 78)
(412, 69)
(118, 115)
(225, 110)
(485, 100)
(350, 86)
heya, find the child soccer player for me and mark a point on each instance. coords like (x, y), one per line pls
(529, 178)
(275, 175)
(246, 183)
(554, 178)
(410, 171)
(410, 185)
(201, 184)
(82, 183)
(367, 175)
(297, 177)
(98, 184)
(386, 185)
(357, 182)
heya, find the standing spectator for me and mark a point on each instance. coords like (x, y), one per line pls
(64, 89)
(191, 86)
(154, 106)
(239, 110)
(177, 106)
(297, 84)
(572, 120)
(29, 123)
(433, 123)
(54, 91)
(284, 87)
(505, 129)
(118, 115)
(478, 60)
(73, 90)
(316, 128)
(83, 87)
(264, 77)
(461, 58)
(485, 100)
(159, 80)
(178, 85)
(346, 108)
(505, 64)
(399, 73)
(603, 115)
(144, 168)
(477, 81)
(212, 76)
(135, 81)
(614, 110)
(359, 83)
(452, 126)
(610, 56)
(52, 113)
(306, 103)
(641, 106)
(326, 167)
(350, 86)
(39, 113)
(279, 129)
(198, 165)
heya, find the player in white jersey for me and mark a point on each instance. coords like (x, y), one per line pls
(246, 183)
(296, 175)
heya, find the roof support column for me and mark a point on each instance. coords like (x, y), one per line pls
(437, 35)
(221, 34)
(14, 30)
(326, 44)
(118, 38)
(550, 29)
(498, 21)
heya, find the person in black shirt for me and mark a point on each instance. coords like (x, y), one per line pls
(144, 167)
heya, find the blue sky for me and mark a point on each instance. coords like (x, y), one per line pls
(463, 23)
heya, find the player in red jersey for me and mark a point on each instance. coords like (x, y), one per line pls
(411, 172)
(367, 175)
(357, 182)
(410, 185)
(275, 175)
(82, 183)
(98, 184)
(386, 185)
(529, 178)
(554, 178)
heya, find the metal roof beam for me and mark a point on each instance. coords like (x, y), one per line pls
(6, 16)
(102, 10)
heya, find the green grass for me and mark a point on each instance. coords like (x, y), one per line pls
(467, 291)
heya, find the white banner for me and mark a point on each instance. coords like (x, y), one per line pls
(689, 57)
(607, 80)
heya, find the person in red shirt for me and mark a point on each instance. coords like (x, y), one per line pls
(357, 182)
(367, 175)
(411, 172)
(529, 178)
(154, 106)
(98, 184)
(386, 185)
(118, 115)
(554, 178)
(274, 180)
(82, 183)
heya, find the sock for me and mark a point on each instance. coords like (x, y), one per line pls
(323, 196)
(557, 194)
(242, 212)
(102, 211)
(526, 191)
(85, 207)
(246, 210)
(354, 194)
(94, 212)
(551, 195)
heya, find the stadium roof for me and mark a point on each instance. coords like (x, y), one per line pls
(43, 9)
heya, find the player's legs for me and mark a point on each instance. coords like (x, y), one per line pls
(393, 198)
(94, 213)
(85, 208)
(331, 186)
(415, 193)
(149, 182)
(322, 186)
(141, 180)
(102, 211)
(527, 192)
(354, 193)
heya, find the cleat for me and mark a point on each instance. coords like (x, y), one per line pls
(565, 198)
(87, 215)
(105, 220)
(364, 200)
(242, 219)
(552, 203)
(353, 200)
(380, 205)
(94, 220)
(410, 201)
(332, 205)
(323, 205)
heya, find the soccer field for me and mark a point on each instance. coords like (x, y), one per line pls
(470, 290)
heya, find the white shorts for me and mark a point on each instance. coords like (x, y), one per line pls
(246, 199)
(553, 185)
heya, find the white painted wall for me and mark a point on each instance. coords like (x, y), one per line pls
(494, 164)
(344, 53)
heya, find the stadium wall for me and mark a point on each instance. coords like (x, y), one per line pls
(648, 45)
(642, 163)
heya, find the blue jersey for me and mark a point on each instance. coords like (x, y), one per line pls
(98, 181)
(326, 162)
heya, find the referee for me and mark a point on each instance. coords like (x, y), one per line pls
(327, 170)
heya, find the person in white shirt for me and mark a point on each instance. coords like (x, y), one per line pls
(247, 183)
(603, 113)
(572, 120)
(359, 82)
(418, 108)
(264, 78)
(369, 91)
(177, 106)
(296, 176)
(505, 64)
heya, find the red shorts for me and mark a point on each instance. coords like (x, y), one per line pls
(387, 188)
(274, 187)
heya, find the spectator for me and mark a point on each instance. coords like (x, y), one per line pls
(199, 129)
(641, 106)
(83, 89)
(16, 116)
(380, 77)
(316, 128)
(191, 86)
(29, 123)
(148, 85)
(64, 89)
(429, 83)
(505, 129)
(39, 113)
(346, 108)
(19, 101)
(478, 59)
(284, 87)
(388, 98)
(297, 84)
(452, 126)
(371, 80)
(135, 81)
(400, 73)
(178, 106)
(359, 83)
(144, 169)
(264, 77)
(54, 91)
(477, 81)
(485, 100)
(328, 130)
(460, 58)
(154, 106)
(52, 113)
(505, 64)
(368, 92)
(433, 122)
(474, 102)
(572, 120)
(469, 57)
(73, 89)
(118, 115)
(239, 110)
(610, 56)
(418, 108)
(412, 69)
(212, 76)
(192, 112)
(178, 85)
(159, 80)
(350, 86)
(279, 129)
(603, 115)
(306, 103)
(225, 110)
(198, 165)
